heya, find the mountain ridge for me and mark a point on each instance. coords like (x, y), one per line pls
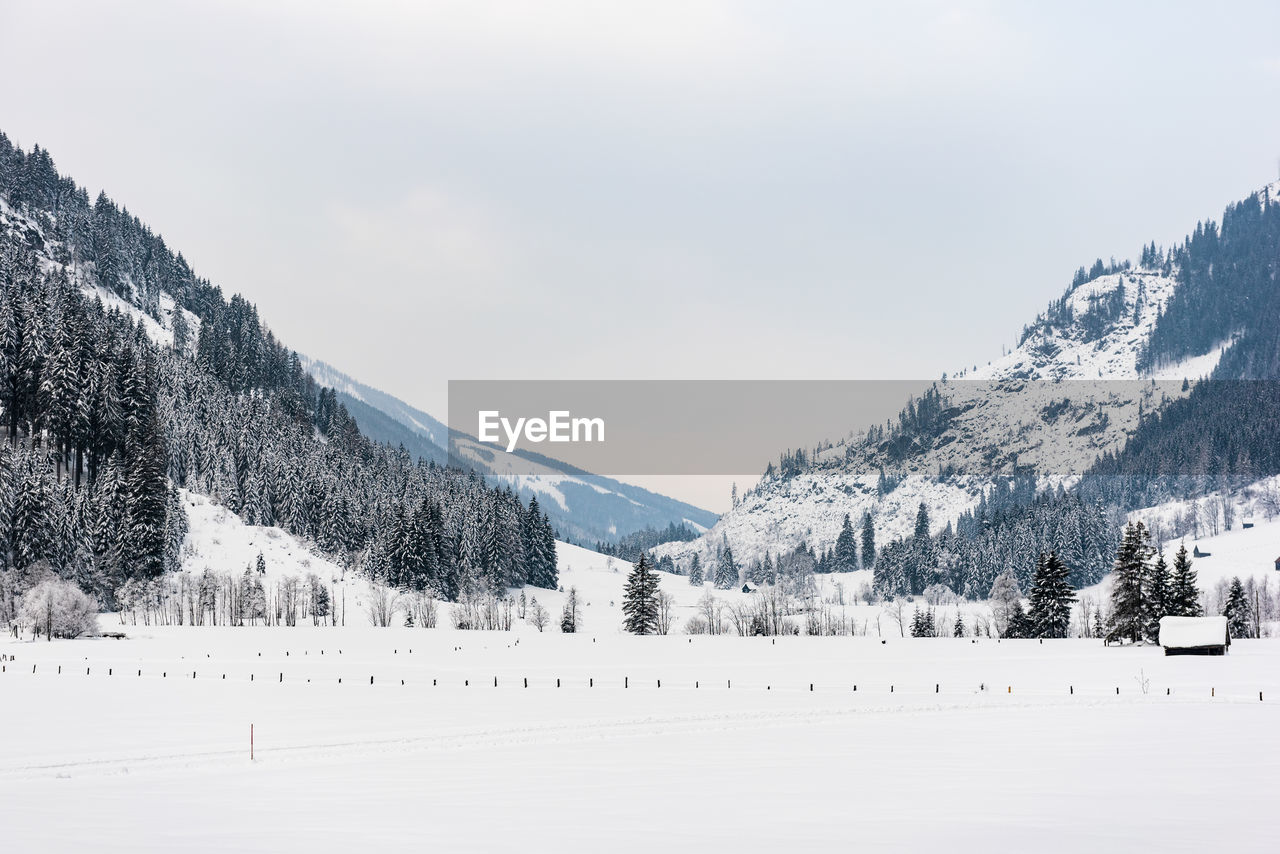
(1098, 338)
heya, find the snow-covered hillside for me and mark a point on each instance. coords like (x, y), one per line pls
(1070, 392)
(219, 541)
(157, 324)
(1248, 550)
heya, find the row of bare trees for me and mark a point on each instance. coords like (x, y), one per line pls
(218, 598)
(1214, 514)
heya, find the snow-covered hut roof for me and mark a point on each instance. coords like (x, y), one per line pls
(1192, 632)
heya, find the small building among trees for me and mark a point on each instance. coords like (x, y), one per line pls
(1194, 635)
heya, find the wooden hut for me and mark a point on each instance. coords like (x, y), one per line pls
(1194, 635)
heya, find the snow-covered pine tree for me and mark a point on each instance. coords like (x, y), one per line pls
(1156, 597)
(1184, 594)
(175, 531)
(845, 556)
(1238, 611)
(695, 571)
(1051, 597)
(726, 569)
(1020, 625)
(640, 599)
(540, 547)
(922, 523)
(868, 542)
(1130, 572)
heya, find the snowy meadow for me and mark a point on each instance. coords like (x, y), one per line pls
(399, 735)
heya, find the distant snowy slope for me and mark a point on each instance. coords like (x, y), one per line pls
(348, 388)
(582, 506)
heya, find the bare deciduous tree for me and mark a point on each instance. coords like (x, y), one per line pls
(712, 609)
(382, 605)
(666, 611)
(538, 615)
(896, 609)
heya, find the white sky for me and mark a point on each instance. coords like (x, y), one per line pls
(420, 191)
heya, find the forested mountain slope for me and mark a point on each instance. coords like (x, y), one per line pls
(582, 507)
(124, 375)
(1097, 411)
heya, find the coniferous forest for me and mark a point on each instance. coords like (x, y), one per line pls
(125, 377)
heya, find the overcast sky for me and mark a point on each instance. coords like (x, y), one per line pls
(419, 191)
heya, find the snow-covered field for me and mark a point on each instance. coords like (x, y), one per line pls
(368, 737)
(391, 736)
(732, 752)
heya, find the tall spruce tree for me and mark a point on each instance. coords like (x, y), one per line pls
(1237, 610)
(868, 542)
(845, 556)
(922, 523)
(726, 577)
(1157, 595)
(695, 572)
(147, 489)
(1131, 569)
(1051, 597)
(640, 599)
(1184, 594)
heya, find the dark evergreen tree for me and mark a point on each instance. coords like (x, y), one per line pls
(1128, 609)
(868, 542)
(845, 556)
(640, 599)
(923, 624)
(1237, 610)
(695, 571)
(1156, 597)
(1051, 598)
(922, 523)
(1184, 594)
(1020, 624)
(726, 577)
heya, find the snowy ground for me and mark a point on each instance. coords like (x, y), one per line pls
(732, 752)
(747, 744)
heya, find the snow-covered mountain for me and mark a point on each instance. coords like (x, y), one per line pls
(387, 418)
(1076, 387)
(127, 381)
(583, 507)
